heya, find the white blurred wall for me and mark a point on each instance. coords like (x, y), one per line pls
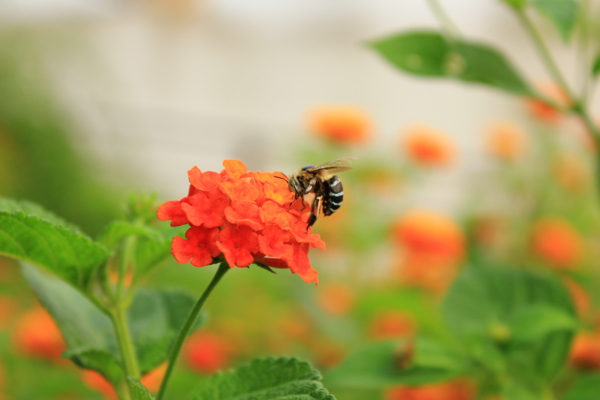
(158, 92)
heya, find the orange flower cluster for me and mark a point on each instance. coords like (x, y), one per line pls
(585, 352)
(337, 298)
(244, 217)
(432, 246)
(207, 352)
(506, 141)
(94, 380)
(453, 390)
(544, 111)
(427, 146)
(341, 124)
(556, 242)
(38, 336)
(392, 325)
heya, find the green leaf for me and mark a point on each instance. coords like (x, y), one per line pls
(267, 378)
(33, 210)
(537, 321)
(153, 332)
(152, 246)
(119, 230)
(562, 13)
(49, 243)
(429, 54)
(98, 360)
(484, 302)
(585, 388)
(154, 318)
(596, 66)
(138, 390)
(516, 4)
(381, 364)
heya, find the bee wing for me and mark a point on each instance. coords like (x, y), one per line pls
(339, 165)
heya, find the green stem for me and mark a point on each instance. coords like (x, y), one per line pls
(544, 53)
(223, 268)
(125, 343)
(449, 27)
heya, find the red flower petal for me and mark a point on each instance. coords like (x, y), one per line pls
(273, 213)
(199, 247)
(273, 243)
(234, 168)
(244, 213)
(302, 236)
(244, 189)
(238, 243)
(171, 211)
(204, 211)
(204, 181)
(300, 264)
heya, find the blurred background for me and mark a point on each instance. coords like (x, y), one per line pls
(103, 97)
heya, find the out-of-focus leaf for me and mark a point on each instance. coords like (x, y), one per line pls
(152, 245)
(155, 317)
(482, 303)
(517, 4)
(119, 230)
(98, 360)
(429, 54)
(562, 13)
(43, 239)
(138, 391)
(535, 322)
(34, 210)
(596, 66)
(388, 363)
(585, 388)
(268, 378)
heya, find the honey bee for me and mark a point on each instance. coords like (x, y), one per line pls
(320, 180)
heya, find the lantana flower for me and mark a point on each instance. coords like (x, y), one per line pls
(242, 217)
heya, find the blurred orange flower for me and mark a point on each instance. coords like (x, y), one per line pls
(94, 380)
(37, 335)
(326, 352)
(580, 297)
(242, 217)
(207, 352)
(433, 246)
(336, 298)
(557, 243)
(506, 141)
(453, 390)
(392, 324)
(544, 111)
(585, 352)
(571, 172)
(341, 124)
(426, 146)
(422, 231)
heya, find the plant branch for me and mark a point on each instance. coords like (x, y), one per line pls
(545, 54)
(442, 16)
(119, 320)
(187, 326)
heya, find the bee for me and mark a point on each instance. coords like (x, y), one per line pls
(320, 180)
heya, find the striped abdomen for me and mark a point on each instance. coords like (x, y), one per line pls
(334, 195)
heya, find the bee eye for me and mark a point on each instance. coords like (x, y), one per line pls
(307, 167)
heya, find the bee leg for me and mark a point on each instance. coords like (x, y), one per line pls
(315, 211)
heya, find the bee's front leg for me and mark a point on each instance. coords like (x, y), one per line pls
(315, 211)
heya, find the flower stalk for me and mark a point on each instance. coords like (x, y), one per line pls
(187, 326)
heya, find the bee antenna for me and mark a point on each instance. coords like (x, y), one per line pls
(285, 178)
